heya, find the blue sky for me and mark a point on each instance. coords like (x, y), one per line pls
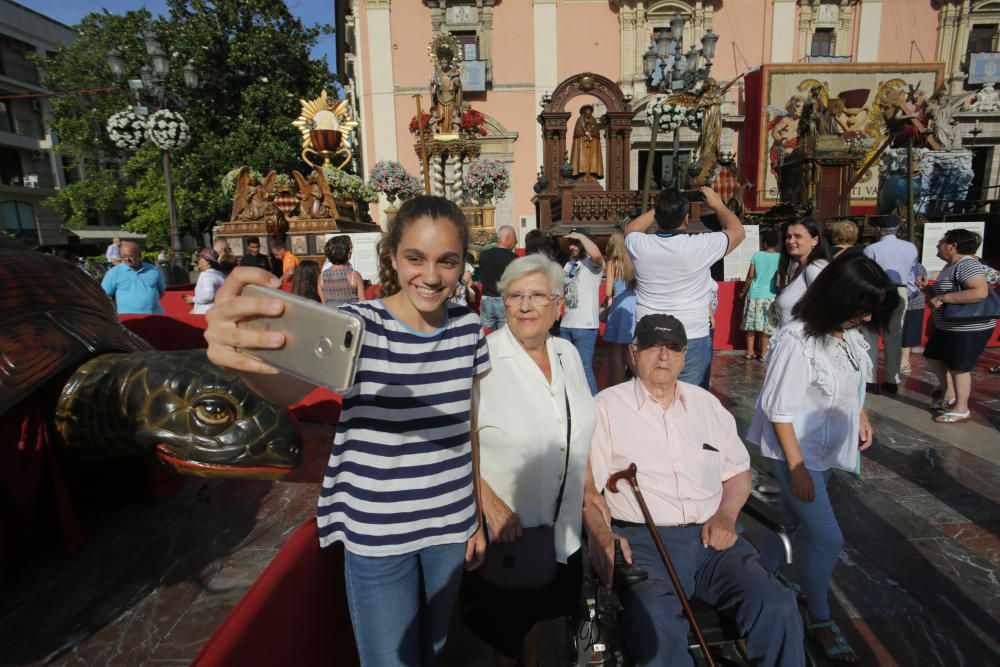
(310, 12)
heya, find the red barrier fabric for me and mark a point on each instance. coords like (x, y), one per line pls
(752, 148)
(294, 614)
(35, 507)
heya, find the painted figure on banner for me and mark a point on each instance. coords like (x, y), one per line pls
(586, 157)
(783, 129)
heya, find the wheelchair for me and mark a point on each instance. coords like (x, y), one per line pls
(595, 639)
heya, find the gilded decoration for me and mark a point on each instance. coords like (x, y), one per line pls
(326, 126)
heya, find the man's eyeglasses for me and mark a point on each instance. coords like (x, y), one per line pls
(538, 299)
(126, 256)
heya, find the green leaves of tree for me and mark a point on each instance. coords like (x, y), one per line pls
(253, 63)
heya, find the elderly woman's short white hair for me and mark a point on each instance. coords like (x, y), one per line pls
(533, 263)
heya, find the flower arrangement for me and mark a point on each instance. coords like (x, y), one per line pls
(857, 142)
(167, 130)
(388, 177)
(127, 130)
(347, 185)
(415, 126)
(282, 182)
(411, 188)
(672, 116)
(487, 178)
(229, 180)
(692, 118)
(473, 123)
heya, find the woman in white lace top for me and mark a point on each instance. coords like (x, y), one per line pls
(810, 418)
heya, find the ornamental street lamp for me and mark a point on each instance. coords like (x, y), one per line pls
(152, 82)
(668, 70)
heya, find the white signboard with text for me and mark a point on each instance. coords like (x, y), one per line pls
(933, 231)
(364, 258)
(737, 263)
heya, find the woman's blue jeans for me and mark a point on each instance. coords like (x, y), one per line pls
(401, 606)
(823, 539)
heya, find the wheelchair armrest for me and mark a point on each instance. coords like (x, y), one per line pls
(772, 519)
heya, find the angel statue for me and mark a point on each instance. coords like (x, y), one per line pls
(710, 101)
(253, 198)
(315, 200)
(944, 125)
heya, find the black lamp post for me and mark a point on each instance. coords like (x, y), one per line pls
(669, 70)
(152, 81)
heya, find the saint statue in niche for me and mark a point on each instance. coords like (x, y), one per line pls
(586, 156)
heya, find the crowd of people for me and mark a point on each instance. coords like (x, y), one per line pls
(473, 451)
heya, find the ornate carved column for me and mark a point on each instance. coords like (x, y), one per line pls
(554, 136)
(619, 134)
(458, 181)
(437, 175)
(449, 175)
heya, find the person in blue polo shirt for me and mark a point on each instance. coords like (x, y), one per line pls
(136, 286)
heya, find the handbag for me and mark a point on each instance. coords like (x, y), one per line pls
(529, 561)
(981, 311)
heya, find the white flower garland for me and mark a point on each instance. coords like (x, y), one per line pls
(167, 130)
(672, 116)
(127, 130)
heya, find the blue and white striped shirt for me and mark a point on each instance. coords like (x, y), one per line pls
(400, 474)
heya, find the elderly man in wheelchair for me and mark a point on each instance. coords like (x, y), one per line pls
(694, 474)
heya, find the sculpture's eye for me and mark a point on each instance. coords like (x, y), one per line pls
(214, 411)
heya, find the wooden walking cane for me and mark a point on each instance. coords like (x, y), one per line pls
(423, 147)
(629, 475)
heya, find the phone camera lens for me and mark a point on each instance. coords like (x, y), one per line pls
(324, 347)
(348, 339)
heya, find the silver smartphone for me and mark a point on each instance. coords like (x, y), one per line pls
(322, 344)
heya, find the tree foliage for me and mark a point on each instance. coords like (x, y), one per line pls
(253, 63)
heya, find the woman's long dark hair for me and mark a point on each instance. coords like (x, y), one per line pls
(435, 208)
(305, 280)
(851, 286)
(821, 251)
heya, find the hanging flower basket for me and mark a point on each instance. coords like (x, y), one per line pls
(127, 130)
(167, 130)
(487, 179)
(672, 116)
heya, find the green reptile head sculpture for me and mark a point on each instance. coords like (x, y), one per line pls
(114, 396)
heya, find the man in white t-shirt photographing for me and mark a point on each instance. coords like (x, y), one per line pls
(672, 269)
(582, 280)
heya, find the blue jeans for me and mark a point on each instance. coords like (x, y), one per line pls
(584, 340)
(823, 541)
(492, 312)
(656, 631)
(697, 362)
(401, 606)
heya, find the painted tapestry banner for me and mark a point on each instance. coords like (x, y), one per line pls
(861, 96)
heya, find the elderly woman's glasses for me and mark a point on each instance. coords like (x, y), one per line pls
(538, 299)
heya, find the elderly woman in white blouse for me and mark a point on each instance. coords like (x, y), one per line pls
(209, 281)
(534, 419)
(810, 419)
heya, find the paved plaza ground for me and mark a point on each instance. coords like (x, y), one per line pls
(917, 583)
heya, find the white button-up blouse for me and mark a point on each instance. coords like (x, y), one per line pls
(818, 385)
(522, 434)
